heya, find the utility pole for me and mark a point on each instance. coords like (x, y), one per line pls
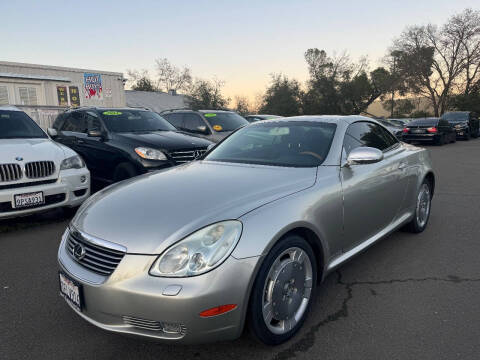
(393, 88)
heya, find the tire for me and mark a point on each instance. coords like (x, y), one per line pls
(467, 136)
(70, 211)
(423, 206)
(287, 276)
(441, 140)
(454, 138)
(124, 171)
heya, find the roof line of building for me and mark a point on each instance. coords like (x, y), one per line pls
(50, 67)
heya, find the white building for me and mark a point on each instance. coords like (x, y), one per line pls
(43, 91)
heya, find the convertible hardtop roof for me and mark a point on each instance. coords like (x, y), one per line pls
(334, 119)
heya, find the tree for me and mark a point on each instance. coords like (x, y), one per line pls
(282, 97)
(207, 94)
(171, 77)
(242, 105)
(435, 61)
(401, 107)
(339, 86)
(141, 81)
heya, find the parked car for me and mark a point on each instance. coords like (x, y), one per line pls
(118, 144)
(432, 130)
(466, 123)
(260, 117)
(36, 173)
(400, 122)
(193, 253)
(394, 129)
(213, 125)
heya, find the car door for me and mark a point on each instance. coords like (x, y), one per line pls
(373, 193)
(73, 128)
(97, 151)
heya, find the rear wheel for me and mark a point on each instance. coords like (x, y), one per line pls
(283, 290)
(124, 171)
(422, 208)
(441, 140)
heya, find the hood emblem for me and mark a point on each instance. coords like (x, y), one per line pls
(197, 154)
(79, 252)
(19, 158)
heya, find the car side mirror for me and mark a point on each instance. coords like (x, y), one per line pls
(364, 155)
(95, 133)
(52, 132)
(202, 129)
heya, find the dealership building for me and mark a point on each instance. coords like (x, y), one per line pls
(44, 91)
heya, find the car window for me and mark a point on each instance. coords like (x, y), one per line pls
(225, 121)
(292, 144)
(17, 124)
(132, 120)
(367, 134)
(176, 119)
(93, 122)
(75, 122)
(192, 122)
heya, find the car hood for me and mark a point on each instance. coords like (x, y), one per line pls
(168, 140)
(149, 213)
(30, 150)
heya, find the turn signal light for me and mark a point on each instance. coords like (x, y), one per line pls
(222, 309)
(432, 130)
(406, 130)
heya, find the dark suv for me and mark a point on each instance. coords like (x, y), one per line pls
(117, 144)
(213, 125)
(466, 123)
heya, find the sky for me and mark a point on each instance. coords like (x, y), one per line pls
(239, 42)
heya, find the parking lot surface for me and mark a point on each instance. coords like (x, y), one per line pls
(407, 297)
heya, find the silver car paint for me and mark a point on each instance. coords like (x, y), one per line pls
(329, 202)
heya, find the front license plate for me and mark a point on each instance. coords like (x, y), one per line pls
(27, 200)
(71, 291)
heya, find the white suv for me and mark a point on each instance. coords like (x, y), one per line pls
(36, 173)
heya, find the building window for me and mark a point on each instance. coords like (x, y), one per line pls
(3, 95)
(28, 95)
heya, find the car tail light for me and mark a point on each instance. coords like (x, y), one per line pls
(218, 310)
(406, 130)
(432, 130)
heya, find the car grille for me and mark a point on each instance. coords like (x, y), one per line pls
(184, 156)
(39, 169)
(143, 323)
(99, 259)
(10, 172)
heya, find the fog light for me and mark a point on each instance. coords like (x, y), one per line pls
(83, 178)
(172, 328)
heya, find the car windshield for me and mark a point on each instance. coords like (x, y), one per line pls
(126, 120)
(279, 143)
(455, 116)
(18, 125)
(224, 121)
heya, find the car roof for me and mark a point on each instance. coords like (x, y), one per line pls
(349, 119)
(9, 108)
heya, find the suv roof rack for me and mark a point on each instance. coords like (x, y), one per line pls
(176, 109)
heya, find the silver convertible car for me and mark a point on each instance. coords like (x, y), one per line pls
(242, 236)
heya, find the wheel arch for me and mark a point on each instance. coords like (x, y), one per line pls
(430, 177)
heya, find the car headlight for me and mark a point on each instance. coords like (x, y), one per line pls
(150, 154)
(73, 162)
(199, 252)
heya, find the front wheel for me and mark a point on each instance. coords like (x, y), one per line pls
(422, 208)
(283, 290)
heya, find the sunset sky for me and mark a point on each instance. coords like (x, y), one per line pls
(240, 42)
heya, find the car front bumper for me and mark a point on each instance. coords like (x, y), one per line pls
(130, 301)
(57, 194)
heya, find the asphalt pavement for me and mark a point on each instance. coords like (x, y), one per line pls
(407, 297)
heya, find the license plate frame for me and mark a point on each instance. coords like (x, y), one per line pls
(36, 198)
(71, 291)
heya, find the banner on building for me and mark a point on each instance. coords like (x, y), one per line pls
(93, 86)
(62, 96)
(74, 96)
